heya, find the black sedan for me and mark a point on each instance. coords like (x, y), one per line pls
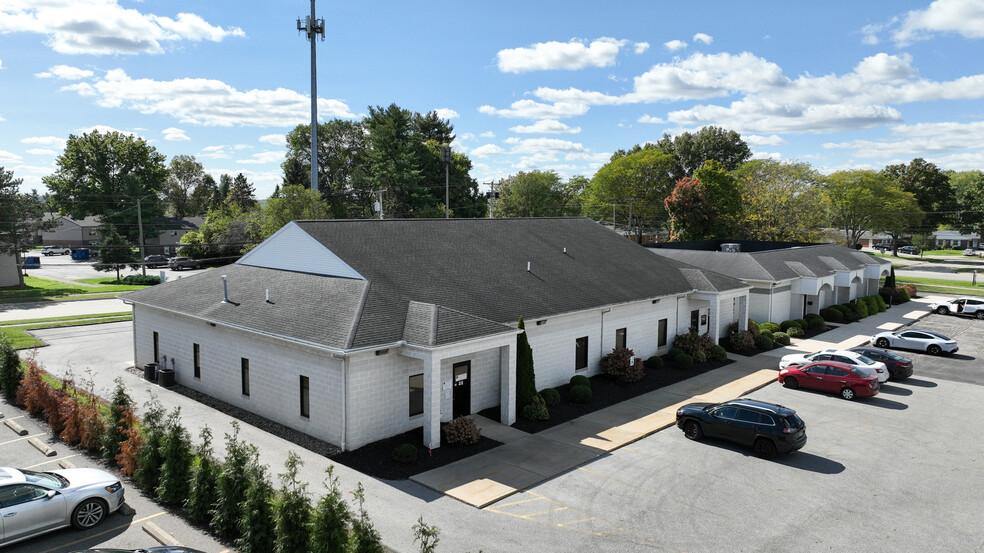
(769, 429)
(898, 366)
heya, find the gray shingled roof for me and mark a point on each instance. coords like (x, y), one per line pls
(775, 265)
(473, 270)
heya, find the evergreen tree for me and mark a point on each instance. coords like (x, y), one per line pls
(116, 253)
(366, 536)
(293, 512)
(149, 460)
(233, 481)
(201, 495)
(525, 377)
(241, 193)
(331, 519)
(10, 373)
(177, 461)
(116, 427)
(427, 535)
(256, 534)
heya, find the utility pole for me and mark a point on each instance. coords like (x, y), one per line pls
(491, 199)
(313, 27)
(379, 203)
(143, 265)
(446, 158)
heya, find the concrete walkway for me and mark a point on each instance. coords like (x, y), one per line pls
(43, 310)
(525, 460)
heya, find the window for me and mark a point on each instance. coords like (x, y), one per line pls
(661, 331)
(416, 394)
(581, 353)
(245, 376)
(157, 348)
(620, 338)
(197, 354)
(726, 412)
(305, 397)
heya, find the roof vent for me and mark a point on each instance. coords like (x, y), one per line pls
(225, 290)
(731, 247)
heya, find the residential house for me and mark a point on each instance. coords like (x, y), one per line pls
(788, 280)
(955, 240)
(171, 230)
(354, 331)
(85, 232)
(8, 270)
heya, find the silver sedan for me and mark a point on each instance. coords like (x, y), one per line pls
(33, 503)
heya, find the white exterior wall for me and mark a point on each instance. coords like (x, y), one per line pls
(8, 271)
(274, 369)
(554, 343)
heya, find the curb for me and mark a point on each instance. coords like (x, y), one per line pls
(159, 534)
(18, 429)
(44, 448)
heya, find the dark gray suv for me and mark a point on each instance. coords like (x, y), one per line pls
(178, 263)
(769, 429)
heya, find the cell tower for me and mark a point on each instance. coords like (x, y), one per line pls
(313, 27)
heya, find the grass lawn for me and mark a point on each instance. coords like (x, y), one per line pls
(41, 288)
(16, 331)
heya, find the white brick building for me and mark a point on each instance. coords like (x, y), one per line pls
(354, 331)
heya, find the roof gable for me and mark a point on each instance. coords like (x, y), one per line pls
(293, 249)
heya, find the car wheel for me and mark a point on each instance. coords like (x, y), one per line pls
(882, 342)
(88, 513)
(942, 310)
(980, 315)
(790, 383)
(848, 393)
(692, 430)
(764, 448)
(933, 349)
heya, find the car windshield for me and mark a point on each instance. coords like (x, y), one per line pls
(49, 479)
(865, 360)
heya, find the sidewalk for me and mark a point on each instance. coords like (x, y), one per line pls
(525, 460)
(44, 310)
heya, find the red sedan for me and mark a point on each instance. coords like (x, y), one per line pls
(830, 376)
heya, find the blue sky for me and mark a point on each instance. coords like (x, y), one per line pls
(527, 85)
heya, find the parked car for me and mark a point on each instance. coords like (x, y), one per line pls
(959, 306)
(922, 340)
(831, 376)
(911, 250)
(153, 261)
(55, 250)
(856, 360)
(769, 429)
(178, 263)
(898, 366)
(32, 262)
(883, 246)
(970, 252)
(33, 503)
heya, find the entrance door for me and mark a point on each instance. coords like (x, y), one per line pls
(461, 399)
(695, 319)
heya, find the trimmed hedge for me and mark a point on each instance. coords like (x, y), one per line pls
(831, 315)
(580, 394)
(786, 325)
(684, 361)
(795, 332)
(763, 342)
(654, 363)
(771, 327)
(580, 380)
(550, 396)
(718, 353)
(405, 454)
(782, 338)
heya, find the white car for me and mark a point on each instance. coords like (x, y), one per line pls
(33, 503)
(959, 306)
(55, 250)
(853, 358)
(970, 252)
(922, 340)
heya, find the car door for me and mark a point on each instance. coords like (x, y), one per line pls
(972, 306)
(836, 379)
(816, 378)
(745, 426)
(27, 510)
(721, 419)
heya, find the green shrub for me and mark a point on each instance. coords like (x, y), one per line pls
(904, 294)
(684, 361)
(464, 431)
(812, 316)
(742, 341)
(580, 380)
(796, 332)
(550, 396)
(764, 342)
(802, 323)
(10, 372)
(910, 290)
(580, 394)
(525, 373)
(654, 363)
(768, 333)
(405, 454)
(536, 411)
(718, 353)
(782, 338)
(753, 327)
(861, 308)
(674, 352)
(786, 325)
(831, 315)
(618, 363)
(692, 342)
(732, 328)
(699, 356)
(771, 327)
(880, 303)
(141, 280)
(816, 324)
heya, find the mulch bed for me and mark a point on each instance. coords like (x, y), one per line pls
(376, 459)
(606, 392)
(726, 343)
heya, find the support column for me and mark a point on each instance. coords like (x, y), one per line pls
(432, 401)
(507, 384)
(713, 312)
(743, 312)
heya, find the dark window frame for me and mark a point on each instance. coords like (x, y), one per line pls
(196, 352)
(305, 396)
(621, 337)
(661, 330)
(157, 347)
(416, 395)
(581, 353)
(244, 375)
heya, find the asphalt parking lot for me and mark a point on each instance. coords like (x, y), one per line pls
(898, 472)
(123, 529)
(64, 267)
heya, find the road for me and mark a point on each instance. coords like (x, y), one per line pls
(63, 267)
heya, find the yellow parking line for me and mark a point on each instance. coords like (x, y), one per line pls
(51, 460)
(115, 528)
(22, 438)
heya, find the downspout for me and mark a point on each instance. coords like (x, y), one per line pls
(345, 363)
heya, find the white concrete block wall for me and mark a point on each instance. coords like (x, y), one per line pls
(379, 397)
(274, 367)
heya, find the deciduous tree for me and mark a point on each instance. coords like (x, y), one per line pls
(185, 176)
(931, 187)
(638, 182)
(531, 194)
(692, 149)
(782, 201)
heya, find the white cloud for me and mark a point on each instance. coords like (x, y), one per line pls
(8, 157)
(275, 139)
(758, 140)
(263, 157)
(543, 146)
(105, 129)
(650, 119)
(487, 150)
(964, 17)
(885, 68)
(446, 113)
(51, 141)
(42, 152)
(675, 45)
(487, 134)
(919, 140)
(767, 155)
(174, 134)
(640, 47)
(1, 64)
(560, 55)
(214, 152)
(703, 37)
(66, 72)
(706, 76)
(208, 102)
(546, 126)
(102, 27)
(530, 109)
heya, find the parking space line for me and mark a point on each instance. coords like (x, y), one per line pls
(113, 529)
(22, 438)
(51, 460)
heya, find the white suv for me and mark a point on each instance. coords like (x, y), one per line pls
(56, 250)
(960, 306)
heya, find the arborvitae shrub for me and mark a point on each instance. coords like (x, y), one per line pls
(10, 371)
(330, 521)
(292, 510)
(202, 492)
(116, 427)
(177, 460)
